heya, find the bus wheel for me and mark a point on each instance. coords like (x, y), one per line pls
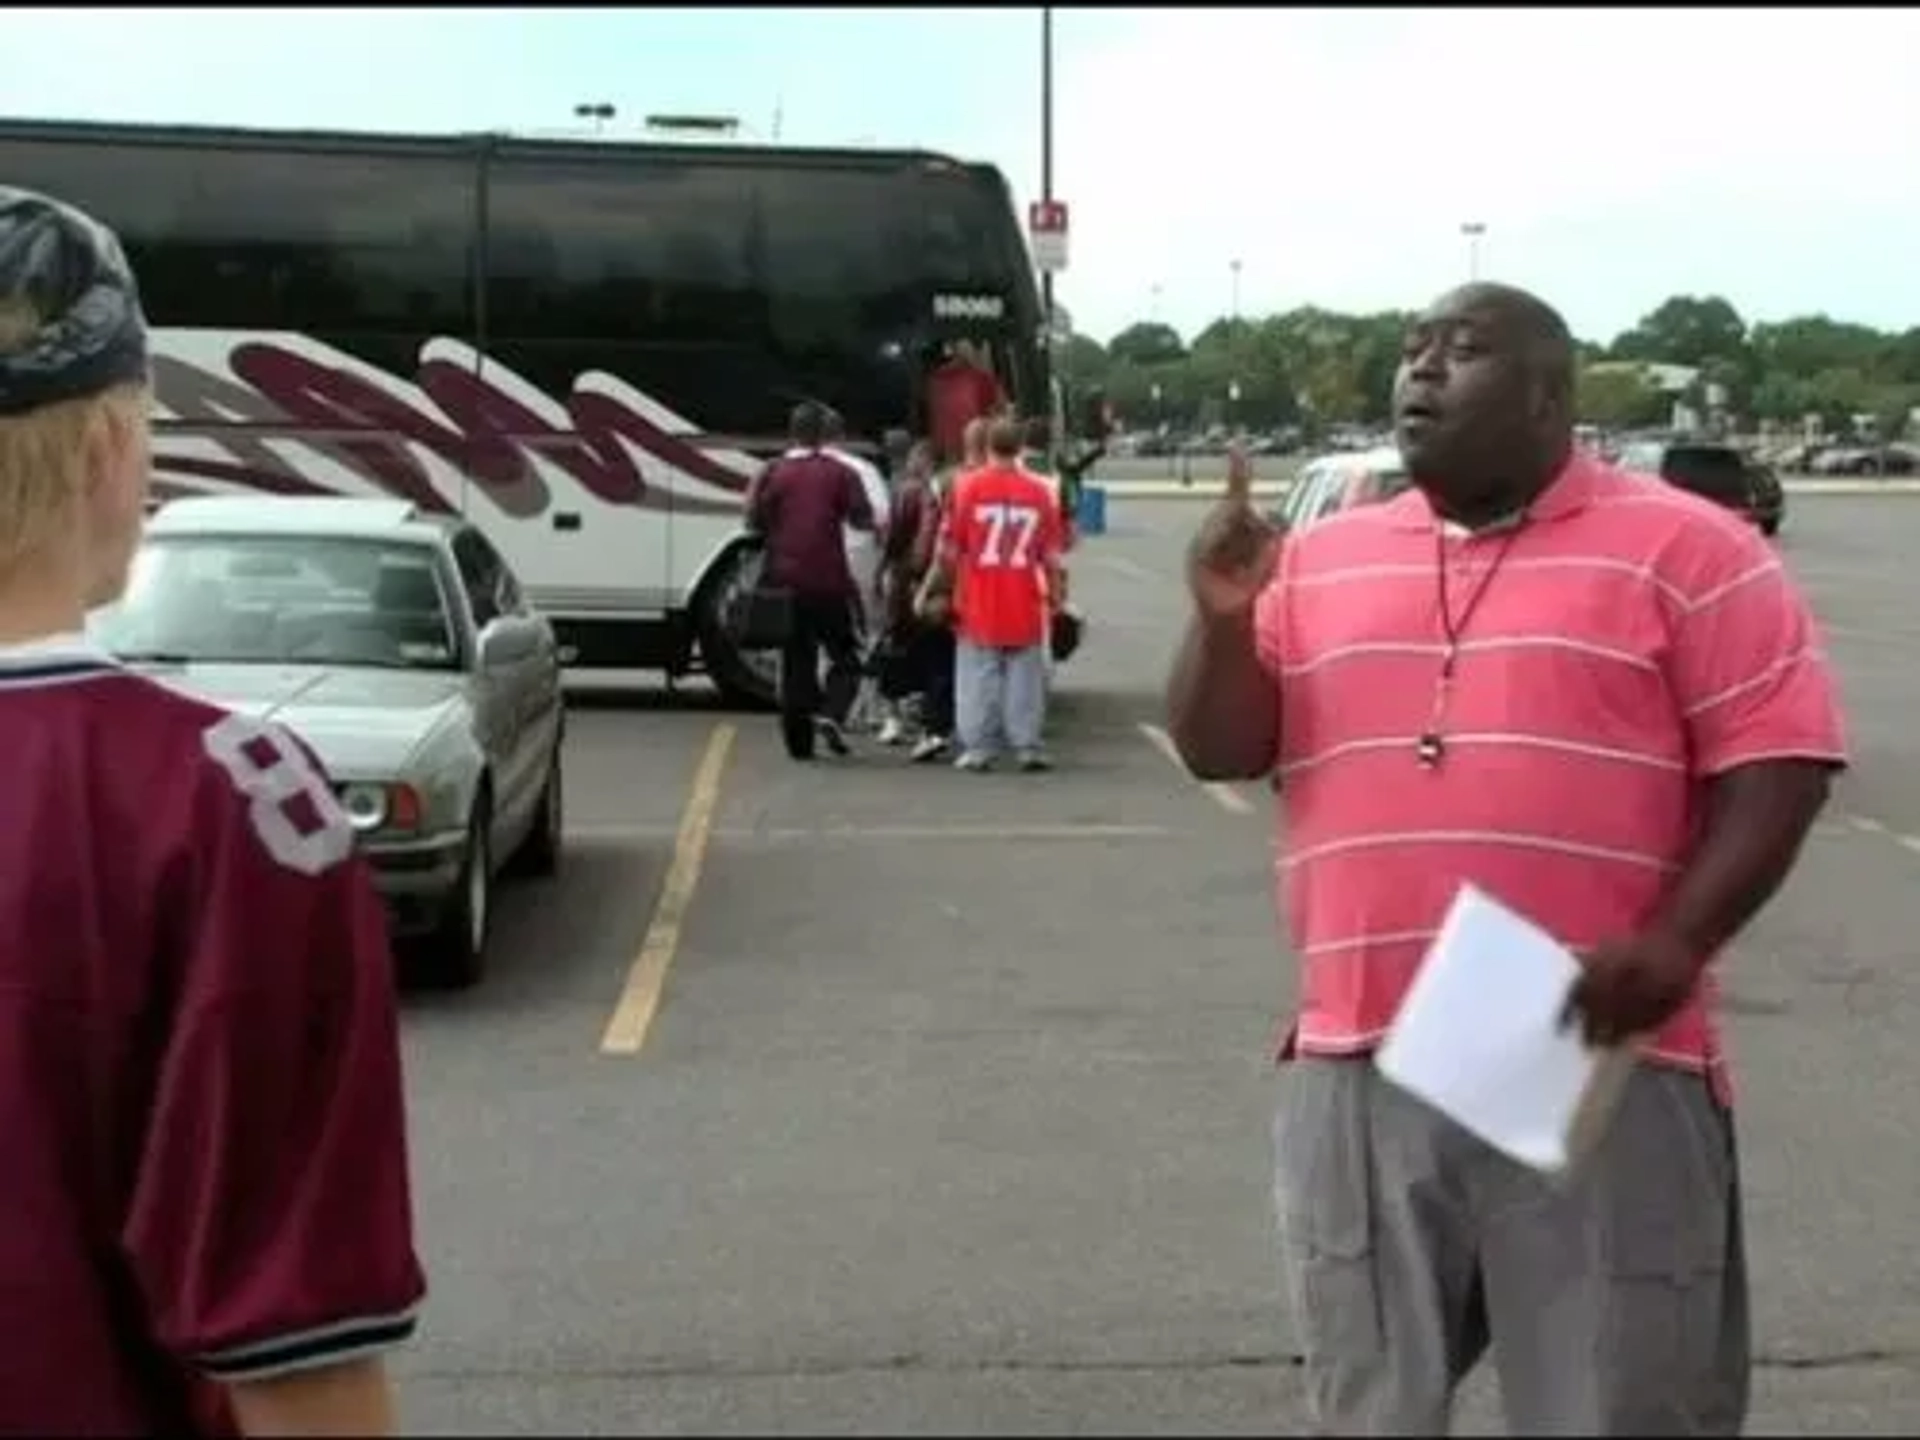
(746, 679)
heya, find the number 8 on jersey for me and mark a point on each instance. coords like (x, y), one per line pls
(290, 805)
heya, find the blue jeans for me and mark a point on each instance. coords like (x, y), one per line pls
(999, 694)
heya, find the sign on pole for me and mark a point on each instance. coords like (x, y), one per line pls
(1047, 233)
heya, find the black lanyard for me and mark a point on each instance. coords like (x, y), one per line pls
(1431, 748)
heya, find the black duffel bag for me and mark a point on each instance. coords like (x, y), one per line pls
(1066, 633)
(760, 616)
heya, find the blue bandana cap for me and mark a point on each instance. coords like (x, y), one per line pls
(71, 270)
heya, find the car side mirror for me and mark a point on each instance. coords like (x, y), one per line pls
(500, 643)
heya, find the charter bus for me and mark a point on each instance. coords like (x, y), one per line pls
(587, 347)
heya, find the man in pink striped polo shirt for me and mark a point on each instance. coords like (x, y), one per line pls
(1601, 700)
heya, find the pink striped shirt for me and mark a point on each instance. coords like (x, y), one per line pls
(1634, 642)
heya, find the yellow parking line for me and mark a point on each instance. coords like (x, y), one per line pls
(639, 999)
(1225, 796)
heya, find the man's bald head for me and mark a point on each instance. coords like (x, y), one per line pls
(1541, 333)
(1483, 399)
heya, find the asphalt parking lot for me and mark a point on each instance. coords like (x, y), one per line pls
(942, 1106)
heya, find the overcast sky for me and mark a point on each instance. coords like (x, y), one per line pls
(1614, 156)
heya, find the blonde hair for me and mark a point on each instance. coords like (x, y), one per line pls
(46, 454)
(1004, 438)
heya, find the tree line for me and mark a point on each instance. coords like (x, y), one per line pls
(1313, 368)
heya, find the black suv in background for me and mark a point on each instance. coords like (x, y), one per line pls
(1714, 471)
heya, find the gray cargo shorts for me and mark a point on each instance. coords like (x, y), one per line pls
(1613, 1304)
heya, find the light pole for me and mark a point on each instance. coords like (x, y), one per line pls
(1233, 342)
(1046, 159)
(1473, 230)
(1153, 307)
(728, 125)
(598, 111)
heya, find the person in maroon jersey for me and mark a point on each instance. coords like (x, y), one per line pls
(205, 1222)
(960, 390)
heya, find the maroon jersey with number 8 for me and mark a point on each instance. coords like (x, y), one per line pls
(203, 1169)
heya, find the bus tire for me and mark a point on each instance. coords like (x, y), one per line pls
(745, 681)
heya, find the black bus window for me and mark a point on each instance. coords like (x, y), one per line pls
(622, 250)
(841, 250)
(969, 243)
(247, 236)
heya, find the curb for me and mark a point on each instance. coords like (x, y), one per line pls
(1202, 489)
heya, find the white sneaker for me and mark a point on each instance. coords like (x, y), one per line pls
(931, 747)
(892, 732)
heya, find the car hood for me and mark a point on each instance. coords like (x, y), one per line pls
(361, 721)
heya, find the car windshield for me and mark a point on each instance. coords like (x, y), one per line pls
(280, 600)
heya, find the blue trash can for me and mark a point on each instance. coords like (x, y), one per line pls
(1091, 516)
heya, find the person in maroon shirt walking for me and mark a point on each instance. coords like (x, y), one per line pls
(803, 504)
(205, 1223)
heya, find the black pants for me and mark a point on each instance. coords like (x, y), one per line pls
(820, 622)
(933, 659)
(897, 666)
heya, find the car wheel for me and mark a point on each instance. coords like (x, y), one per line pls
(746, 679)
(455, 955)
(540, 851)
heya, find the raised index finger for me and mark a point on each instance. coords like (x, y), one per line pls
(1239, 476)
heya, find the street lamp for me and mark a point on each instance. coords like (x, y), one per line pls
(1046, 148)
(1233, 343)
(1473, 230)
(694, 124)
(598, 111)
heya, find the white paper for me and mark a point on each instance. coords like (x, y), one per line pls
(1479, 1038)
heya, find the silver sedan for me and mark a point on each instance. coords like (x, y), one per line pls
(397, 645)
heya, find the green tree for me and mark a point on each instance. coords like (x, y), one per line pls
(1234, 355)
(1618, 396)
(1812, 344)
(1321, 367)
(1147, 342)
(1084, 359)
(1685, 330)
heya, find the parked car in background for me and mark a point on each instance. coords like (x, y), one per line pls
(1332, 483)
(1862, 460)
(1714, 471)
(399, 646)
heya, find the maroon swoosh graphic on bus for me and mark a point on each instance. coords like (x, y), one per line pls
(487, 436)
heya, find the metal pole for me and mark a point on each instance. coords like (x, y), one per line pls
(1473, 230)
(1233, 343)
(1046, 156)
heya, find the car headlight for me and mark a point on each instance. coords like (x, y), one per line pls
(373, 806)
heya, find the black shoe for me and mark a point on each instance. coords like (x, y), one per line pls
(833, 736)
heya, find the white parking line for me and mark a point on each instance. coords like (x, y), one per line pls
(1225, 796)
(1867, 825)
(800, 834)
